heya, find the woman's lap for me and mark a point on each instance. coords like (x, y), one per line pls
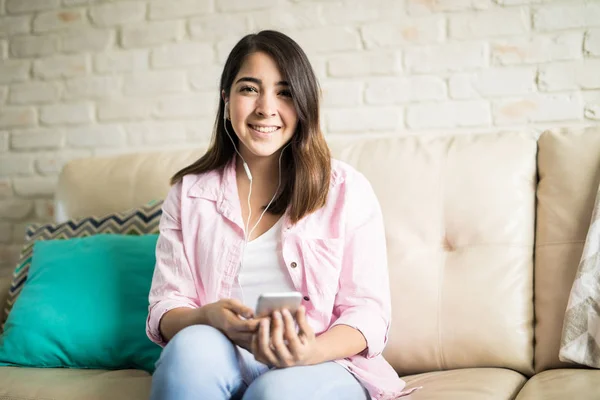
(201, 360)
(322, 381)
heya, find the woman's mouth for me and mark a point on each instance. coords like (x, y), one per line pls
(264, 129)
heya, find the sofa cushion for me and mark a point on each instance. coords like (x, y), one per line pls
(562, 384)
(466, 384)
(569, 175)
(119, 182)
(72, 384)
(136, 221)
(84, 305)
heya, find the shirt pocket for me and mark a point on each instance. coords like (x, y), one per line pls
(322, 265)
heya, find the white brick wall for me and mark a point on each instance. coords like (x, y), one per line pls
(449, 114)
(66, 114)
(92, 87)
(182, 54)
(14, 71)
(567, 16)
(107, 15)
(503, 22)
(61, 66)
(421, 30)
(405, 90)
(151, 33)
(34, 92)
(14, 25)
(82, 40)
(539, 108)
(165, 9)
(592, 42)
(364, 64)
(81, 77)
(59, 20)
(3, 149)
(27, 6)
(33, 46)
(538, 49)
(457, 56)
(121, 61)
(3, 94)
(493, 82)
(36, 139)
(570, 76)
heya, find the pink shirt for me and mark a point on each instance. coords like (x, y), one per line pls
(336, 258)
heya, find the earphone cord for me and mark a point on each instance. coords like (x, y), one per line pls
(247, 169)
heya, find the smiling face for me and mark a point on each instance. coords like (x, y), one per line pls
(261, 109)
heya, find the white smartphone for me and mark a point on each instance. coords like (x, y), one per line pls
(269, 302)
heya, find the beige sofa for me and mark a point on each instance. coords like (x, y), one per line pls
(484, 237)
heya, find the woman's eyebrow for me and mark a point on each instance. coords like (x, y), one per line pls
(259, 82)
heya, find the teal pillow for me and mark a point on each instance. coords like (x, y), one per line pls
(84, 305)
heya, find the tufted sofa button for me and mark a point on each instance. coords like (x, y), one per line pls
(446, 244)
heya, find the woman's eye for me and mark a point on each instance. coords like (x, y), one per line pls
(248, 89)
(286, 93)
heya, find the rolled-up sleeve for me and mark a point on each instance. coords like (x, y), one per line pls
(172, 283)
(363, 299)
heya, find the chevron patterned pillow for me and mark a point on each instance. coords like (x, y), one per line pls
(138, 221)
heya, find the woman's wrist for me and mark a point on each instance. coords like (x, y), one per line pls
(177, 319)
(319, 354)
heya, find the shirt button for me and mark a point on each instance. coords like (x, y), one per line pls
(293, 265)
(306, 298)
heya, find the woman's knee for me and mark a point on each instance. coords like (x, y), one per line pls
(198, 359)
(195, 344)
(266, 387)
(275, 384)
(324, 381)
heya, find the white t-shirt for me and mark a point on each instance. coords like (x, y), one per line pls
(263, 269)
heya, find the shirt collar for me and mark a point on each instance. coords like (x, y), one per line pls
(220, 186)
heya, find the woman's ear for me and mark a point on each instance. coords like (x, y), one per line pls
(226, 101)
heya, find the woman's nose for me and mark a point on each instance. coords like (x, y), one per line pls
(266, 106)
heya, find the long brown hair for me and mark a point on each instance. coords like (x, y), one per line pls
(306, 164)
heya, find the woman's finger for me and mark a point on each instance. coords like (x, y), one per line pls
(291, 335)
(239, 308)
(240, 325)
(305, 328)
(264, 342)
(254, 347)
(281, 351)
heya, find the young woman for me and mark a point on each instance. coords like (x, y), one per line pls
(267, 210)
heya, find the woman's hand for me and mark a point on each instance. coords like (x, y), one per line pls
(225, 315)
(278, 344)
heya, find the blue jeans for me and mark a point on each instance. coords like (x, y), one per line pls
(201, 363)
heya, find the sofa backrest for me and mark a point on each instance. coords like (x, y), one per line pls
(460, 223)
(569, 175)
(459, 214)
